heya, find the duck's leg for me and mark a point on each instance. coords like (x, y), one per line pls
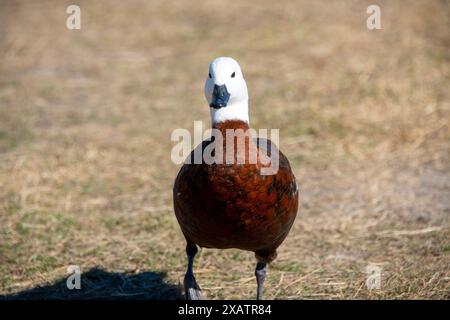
(260, 273)
(192, 290)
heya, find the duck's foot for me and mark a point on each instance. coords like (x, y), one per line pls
(260, 273)
(191, 288)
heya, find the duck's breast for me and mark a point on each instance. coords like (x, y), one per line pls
(235, 206)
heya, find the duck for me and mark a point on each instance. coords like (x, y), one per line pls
(230, 202)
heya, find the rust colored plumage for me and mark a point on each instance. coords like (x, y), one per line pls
(234, 205)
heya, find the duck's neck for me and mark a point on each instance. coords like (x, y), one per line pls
(236, 111)
(231, 124)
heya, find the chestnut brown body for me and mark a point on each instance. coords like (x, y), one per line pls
(234, 205)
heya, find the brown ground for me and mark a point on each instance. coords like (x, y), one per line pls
(86, 118)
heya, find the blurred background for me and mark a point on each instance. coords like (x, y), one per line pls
(85, 123)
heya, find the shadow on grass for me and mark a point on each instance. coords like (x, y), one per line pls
(99, 284)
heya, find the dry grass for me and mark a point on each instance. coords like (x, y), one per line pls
(86, 117)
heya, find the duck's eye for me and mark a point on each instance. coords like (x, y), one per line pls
(233, 74)
(209, 75)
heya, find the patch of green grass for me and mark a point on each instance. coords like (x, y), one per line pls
(86, 188)
(45, 263)
(112, 223)
(288, 266)
(65, 223)
(238, 256)
(164, 220)
(10, 204)
(22, 229)
(337, 128)
(12, 137)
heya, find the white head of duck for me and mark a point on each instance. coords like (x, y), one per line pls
(226, 91)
